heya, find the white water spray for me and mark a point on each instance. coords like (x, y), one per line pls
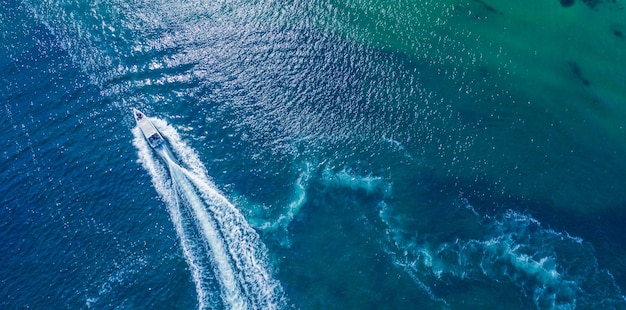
(226, 275)
(236, 254)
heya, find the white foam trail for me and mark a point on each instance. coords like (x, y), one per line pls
(237, 253)
(232, 294)
(169, 196)
(243, 243)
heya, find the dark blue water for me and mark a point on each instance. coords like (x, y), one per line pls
(321, 155)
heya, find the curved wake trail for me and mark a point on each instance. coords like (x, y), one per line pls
(220, 247)
(231, 291)
(239, 237)
(170, 197)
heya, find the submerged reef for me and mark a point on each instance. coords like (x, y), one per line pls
(590, 3)
(486, 6)
(593, 3)
(577, 72)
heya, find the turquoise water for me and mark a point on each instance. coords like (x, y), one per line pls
(333, 155)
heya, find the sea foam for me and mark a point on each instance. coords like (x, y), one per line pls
(221, 233)
(553, 269)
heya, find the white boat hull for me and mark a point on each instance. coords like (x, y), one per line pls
(152, 135)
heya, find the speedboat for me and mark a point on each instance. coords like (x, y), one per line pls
(152, 135)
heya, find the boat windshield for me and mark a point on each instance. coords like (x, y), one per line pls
(155, 139)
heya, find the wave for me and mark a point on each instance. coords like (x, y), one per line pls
(215, 237)
(298, 199)
(348, 179)
(553, 269)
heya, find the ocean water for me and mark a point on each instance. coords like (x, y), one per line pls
(320, 155)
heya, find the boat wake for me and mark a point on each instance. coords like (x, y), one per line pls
(224, 253)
